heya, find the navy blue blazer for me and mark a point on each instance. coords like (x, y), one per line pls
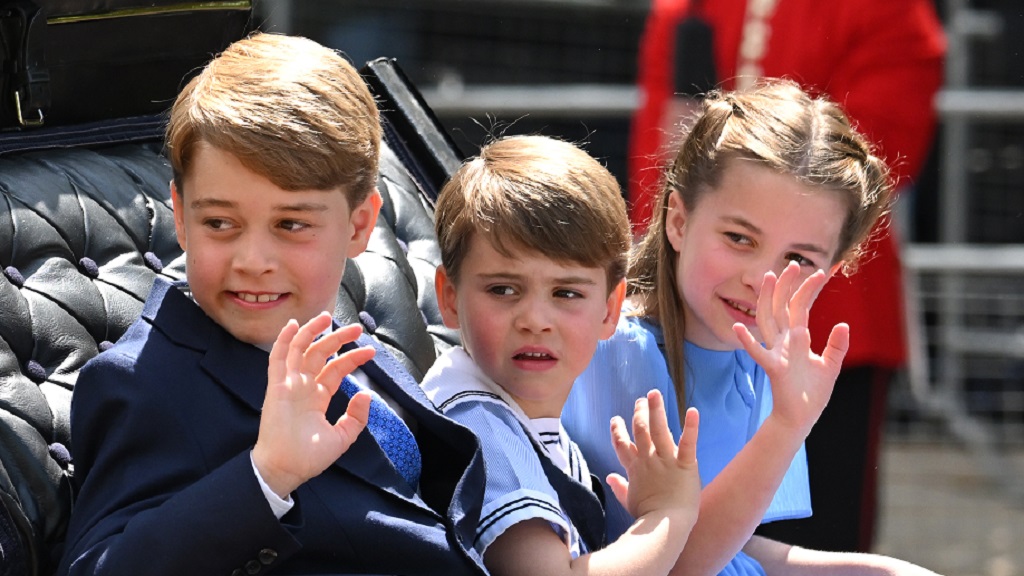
(162, 426)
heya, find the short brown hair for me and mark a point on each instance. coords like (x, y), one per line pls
(289, 109)
(538, 194)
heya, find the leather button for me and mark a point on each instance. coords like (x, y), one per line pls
(253, 567)
(153, 262)
(35, 371)
(368, 322)
(14, 276)
(267, 556)
(88, 267)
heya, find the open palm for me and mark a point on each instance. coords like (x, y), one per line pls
(801, 380)
(296, 440)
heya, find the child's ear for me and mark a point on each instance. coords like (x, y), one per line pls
(446, 298)
(613, 310)
(362, 221)
(179, 215)
(675, 220)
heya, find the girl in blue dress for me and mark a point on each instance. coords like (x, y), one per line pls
(771, 193)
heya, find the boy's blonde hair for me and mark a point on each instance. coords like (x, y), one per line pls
(289, 109)
(781, 127)
(537, 194)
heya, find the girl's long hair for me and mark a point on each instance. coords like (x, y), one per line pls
(782, 128)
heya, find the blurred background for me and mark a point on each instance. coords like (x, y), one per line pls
(951, 469)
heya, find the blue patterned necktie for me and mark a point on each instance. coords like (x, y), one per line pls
(391, 433)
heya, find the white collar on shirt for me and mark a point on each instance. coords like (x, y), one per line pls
(456, 378)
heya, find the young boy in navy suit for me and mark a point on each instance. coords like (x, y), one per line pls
(224, 433)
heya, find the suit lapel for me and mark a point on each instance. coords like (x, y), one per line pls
(238, 367)
(385, 370)
(241, 369)
(459, 474)
(365, 458)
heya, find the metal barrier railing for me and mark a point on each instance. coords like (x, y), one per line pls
(965, 320)
(560, 101)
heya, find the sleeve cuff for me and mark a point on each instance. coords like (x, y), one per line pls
(280, 506)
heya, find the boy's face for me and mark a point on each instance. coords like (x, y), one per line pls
(258, 255)
(756, 220)
(530, 323)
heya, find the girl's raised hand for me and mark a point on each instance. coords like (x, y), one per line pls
(801, 380)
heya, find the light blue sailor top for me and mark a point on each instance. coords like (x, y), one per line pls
(517, 488)
(729, 389)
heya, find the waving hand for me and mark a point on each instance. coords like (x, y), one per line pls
(801, 380)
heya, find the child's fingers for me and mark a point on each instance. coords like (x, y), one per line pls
(837, 346)
(799, 342)
(620, 488)
(788, 281)
(624, 448)
(322, 348)
(764, 315)
(314, 327)
(277, 369)
(804, 297)
(784, 290)
(688, 441)
(352, 422)
(661, 436)
(333, 372)
(760, 354)
(303, 338)
(642, 426)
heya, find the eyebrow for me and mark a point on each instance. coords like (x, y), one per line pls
(572, 280)
(210, 203)
(298, 207)
(814, 248)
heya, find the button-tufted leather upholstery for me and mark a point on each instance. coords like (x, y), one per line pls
(83, 233)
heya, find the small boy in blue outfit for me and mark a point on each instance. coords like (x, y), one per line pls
(534, 238)
(224, 432)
